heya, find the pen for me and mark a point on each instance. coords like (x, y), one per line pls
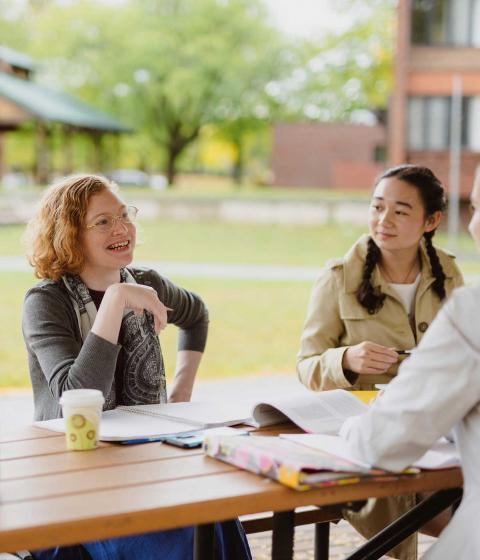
(403, 352)
(142, 440)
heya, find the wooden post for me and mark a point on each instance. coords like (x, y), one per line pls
(42, 155)
(2, 155)
(97, 152)
(117, 151)
(67, 149)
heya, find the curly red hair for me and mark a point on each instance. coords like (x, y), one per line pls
(53, 234)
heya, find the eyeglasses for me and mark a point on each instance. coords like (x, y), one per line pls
(106, 222)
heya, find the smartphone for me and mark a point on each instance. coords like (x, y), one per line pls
(195, 439)
(187, 441)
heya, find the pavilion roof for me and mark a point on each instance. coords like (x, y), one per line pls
(16, 59)
(49, 105)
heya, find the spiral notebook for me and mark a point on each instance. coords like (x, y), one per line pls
(157, 420)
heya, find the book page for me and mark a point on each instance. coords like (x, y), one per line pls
(317, 412)
(443, 454)
(333, 445)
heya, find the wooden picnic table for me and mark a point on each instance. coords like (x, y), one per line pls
(50, 496)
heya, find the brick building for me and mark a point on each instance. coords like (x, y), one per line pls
(436, 41)
(337, 155)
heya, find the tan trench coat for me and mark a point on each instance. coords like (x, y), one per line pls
(335, 321)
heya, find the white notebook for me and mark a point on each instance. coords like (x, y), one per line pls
(157, 420)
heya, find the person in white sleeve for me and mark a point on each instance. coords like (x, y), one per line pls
(437, 390)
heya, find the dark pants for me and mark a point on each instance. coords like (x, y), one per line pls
(176, 544)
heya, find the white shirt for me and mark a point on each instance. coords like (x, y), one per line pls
(406, 293)
(436, 389)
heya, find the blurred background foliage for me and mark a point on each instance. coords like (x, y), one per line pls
(200, 81)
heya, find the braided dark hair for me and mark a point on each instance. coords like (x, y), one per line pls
(433, 198)
(369, 297)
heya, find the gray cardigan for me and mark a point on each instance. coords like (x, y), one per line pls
(58, 359)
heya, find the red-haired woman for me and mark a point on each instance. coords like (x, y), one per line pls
(92, 322)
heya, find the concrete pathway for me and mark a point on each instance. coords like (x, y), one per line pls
(200, 270)
(213, 270)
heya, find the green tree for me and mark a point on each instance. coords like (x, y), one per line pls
(345, 72)
(167, 67)
(204, 62)
(170, 67)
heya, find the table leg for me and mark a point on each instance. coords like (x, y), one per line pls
(407, 524)
(204, 542)
(282, 535)
(322, 536)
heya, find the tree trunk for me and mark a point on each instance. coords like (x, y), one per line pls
(171, 170)
(239, 164)
(176, 144)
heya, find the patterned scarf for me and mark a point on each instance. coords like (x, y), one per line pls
(143, 372)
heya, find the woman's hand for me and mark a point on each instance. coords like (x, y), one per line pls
(140, 298)
(119, 297)
(369, 358)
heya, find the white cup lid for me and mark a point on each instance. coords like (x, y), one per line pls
(82, 397)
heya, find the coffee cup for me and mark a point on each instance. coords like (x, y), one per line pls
(82, 409)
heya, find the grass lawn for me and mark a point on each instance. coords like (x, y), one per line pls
(255, 325)
(226, 242)
(240, 341)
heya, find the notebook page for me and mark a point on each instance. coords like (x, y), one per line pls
(117, 425)
(197, 414)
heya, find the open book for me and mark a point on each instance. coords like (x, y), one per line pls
(321, 413)
(313, 412)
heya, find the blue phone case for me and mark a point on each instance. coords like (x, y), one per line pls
(188, 441)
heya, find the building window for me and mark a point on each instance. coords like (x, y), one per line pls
(454, 23)
(380, 153)
(428, 125)
(415, 123)
(474, 128)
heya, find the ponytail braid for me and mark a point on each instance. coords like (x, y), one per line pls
(437, 270)
(369, 297)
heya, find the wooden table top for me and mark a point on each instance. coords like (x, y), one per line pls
(50, 496)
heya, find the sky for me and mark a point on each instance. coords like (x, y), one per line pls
(300, 18)
(306, 18)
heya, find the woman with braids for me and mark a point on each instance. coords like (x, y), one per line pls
(93, 322)
(436, 392)
(377, 302)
